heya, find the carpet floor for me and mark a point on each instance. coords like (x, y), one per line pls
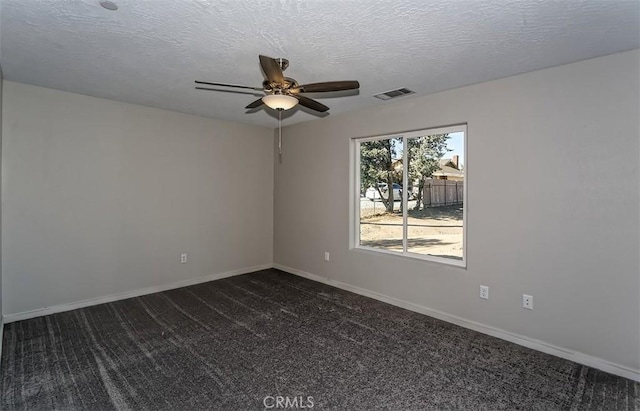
(242, 342)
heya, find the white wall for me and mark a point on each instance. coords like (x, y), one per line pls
(565, 144)
(1, 167)
(101, 197)
(1, 311)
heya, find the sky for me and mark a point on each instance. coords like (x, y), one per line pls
(456, 144)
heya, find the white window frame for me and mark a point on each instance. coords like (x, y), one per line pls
(354, 232)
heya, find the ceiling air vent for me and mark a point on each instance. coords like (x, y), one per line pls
(388, 95)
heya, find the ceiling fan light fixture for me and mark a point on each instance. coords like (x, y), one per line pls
(280, 101)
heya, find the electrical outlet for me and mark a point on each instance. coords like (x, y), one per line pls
(484, 292)
(326, 256)
(527, 301)
(183, 258)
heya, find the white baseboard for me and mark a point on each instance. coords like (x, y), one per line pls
(9, 318)
(525, 341)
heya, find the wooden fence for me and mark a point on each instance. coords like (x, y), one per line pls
(439, 193)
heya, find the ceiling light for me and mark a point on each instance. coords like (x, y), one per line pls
(109, 5)
(280, 101)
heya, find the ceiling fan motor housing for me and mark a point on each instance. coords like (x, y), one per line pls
(271, 87)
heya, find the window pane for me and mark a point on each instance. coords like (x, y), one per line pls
(431, 223)
(382, 232)
(435, 219)
(381, 175)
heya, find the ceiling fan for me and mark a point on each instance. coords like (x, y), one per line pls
(284, 93)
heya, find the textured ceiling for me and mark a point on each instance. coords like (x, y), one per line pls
(149, 51)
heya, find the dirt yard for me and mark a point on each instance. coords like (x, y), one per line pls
(435, 231)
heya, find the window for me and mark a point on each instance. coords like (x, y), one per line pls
(425, 220)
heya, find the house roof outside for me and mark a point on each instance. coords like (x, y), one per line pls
(449, 168)
(448, 171)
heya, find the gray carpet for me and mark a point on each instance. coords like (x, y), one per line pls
(228, 344)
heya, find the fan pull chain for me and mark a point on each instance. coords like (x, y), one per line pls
(280, 136)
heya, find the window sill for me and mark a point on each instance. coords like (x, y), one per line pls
(430, 258)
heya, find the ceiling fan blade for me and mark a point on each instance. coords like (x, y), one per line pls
(251, 93)
(312, 104)
(329, 86)
(255, 104)
(228, 85)
(271, 69)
